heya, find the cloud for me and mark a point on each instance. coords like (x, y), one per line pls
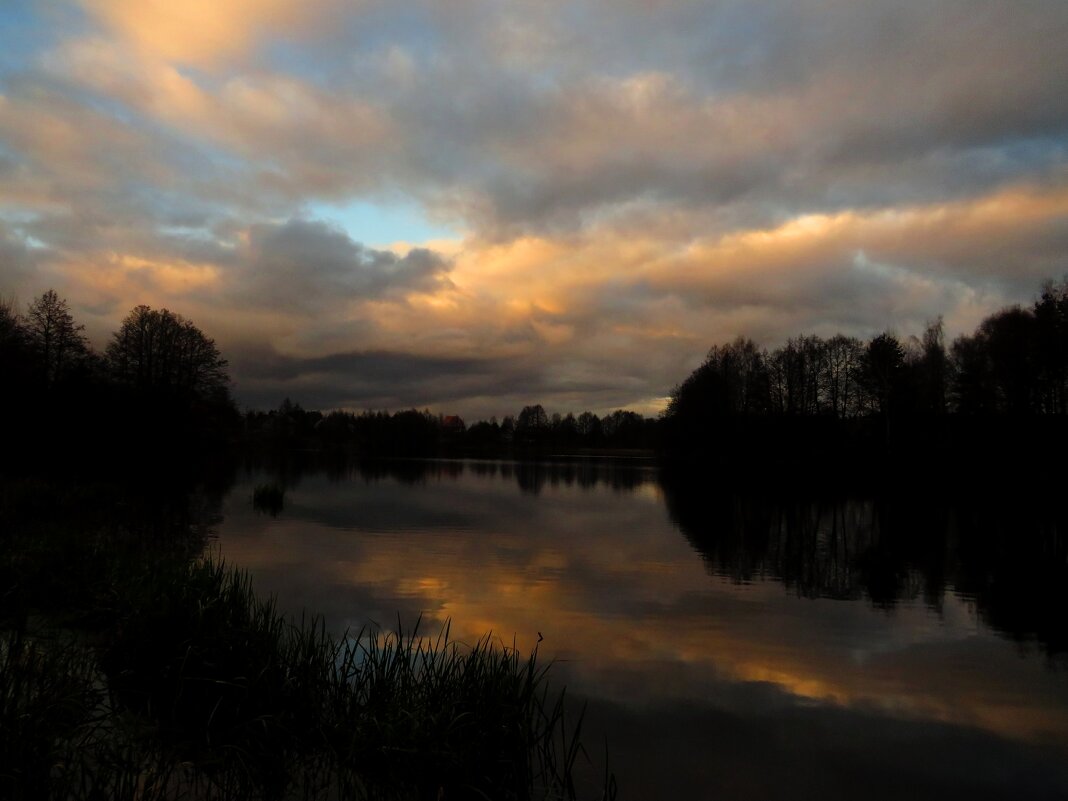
(203, 32)
(770, 106)
(603, 320)
(307, 265)
(367, 379)
(794, 106)
(635, 181)
(17, 261)
(286, 135)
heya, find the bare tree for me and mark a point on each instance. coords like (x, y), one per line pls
(1051, 352)
(882, 365)
(57, 342)
(733, 380)
(843, 360)
(11, 331)
(532, 419)
(162, 351)
(588, 425)
(933, 368)
(795, 371)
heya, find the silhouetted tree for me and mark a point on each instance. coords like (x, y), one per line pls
(1009, 339)
(12, 337)
(625, 429)
(412, 433)
(839, 396)
(57, 342)
(796, 373)
(17, 364)
(508, 429)
(589, 428)
(336, 429)
(532, 425)
(10, 328)
(933, 369)
(732, 380)
(163, 352)
(532, 418)
(1051, 353)
(881, 368)
(565, 429)
(485, 436)
(743, 365)
(841, 374)
(972, 387)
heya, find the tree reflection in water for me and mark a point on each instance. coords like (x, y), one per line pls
(1005, 551)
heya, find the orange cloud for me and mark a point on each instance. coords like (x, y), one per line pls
(125, 280)
(205, 32)
(277, 119)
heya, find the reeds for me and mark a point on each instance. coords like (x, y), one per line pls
(201, 690)
(47, 700)
(469, 720)
(131, 668)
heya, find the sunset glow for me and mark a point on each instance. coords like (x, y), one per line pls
(579, 199)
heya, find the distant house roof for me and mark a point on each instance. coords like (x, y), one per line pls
(452, 421)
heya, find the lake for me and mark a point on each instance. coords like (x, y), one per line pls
(728, 641)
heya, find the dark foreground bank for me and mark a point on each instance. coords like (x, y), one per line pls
(131, 667)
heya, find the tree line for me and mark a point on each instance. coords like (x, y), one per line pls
(421, 433)
(1011, 374)
(160, 384)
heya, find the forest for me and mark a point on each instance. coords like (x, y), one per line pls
(160, 388)
(161, 383)
(999, 392)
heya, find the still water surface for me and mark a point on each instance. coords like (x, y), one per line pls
(728, 643)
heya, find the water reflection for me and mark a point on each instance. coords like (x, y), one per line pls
(620, 474)
(811, 644)
(1006, 552)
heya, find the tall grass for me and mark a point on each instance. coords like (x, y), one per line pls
(47, 701)
(263, 706)
(130, 670)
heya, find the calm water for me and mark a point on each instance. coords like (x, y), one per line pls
(729, 644)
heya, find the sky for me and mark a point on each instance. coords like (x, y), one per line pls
(475, 205)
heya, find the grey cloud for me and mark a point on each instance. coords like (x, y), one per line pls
(677, 120)
(474, 387)
(16, 260)
(374, 379)
(512, 116)
(87, 231)
(306, 265)
(849, 292)
(796, 105)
